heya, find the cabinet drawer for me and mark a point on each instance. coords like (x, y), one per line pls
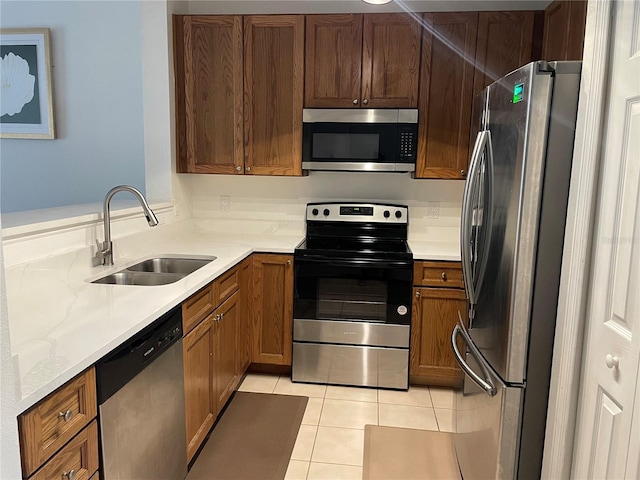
(197, 307)
(55, 420)
(438, 274)
(225, 285)
(78, 460)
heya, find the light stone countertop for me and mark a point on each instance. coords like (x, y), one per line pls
(61, 324)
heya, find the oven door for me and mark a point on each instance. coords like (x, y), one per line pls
(357, 295)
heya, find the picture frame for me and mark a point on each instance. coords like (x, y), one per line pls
(26, 101)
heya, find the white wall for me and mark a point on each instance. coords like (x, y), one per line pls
(98, 108)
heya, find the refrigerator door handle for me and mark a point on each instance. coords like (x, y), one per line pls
(485, 384)
(467, 215)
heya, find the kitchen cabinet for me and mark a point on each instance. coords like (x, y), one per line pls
(446, 87)
(438, 297)
(370, 61)
(211, 318)
(245, 272)
(273, 93)
(239, 89)
(564, 24)
(58, 421)
(208, 97)
(272, 308)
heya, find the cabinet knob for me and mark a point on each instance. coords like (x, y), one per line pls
(66, 415)
(611, 361)
(289, 262)
(355, 101)
(444, 276)
(70, 475)
(418, 294)
(248, 169)
(463, 173)
(365, 101)
(238, 168)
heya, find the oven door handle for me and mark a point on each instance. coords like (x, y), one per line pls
(350, 262)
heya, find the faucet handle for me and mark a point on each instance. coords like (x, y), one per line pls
(104, 253)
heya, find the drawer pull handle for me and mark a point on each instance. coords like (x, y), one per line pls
(444, 276)
(66, 415)
(70, 475)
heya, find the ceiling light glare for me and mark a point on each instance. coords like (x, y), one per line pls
(377, 2)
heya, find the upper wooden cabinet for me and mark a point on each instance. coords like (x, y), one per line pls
(209, 73)
(371, 61)
(446, 86)
(564, 24)
(273, 84)
(239, 89)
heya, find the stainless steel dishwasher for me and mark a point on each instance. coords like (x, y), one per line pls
(141, 405)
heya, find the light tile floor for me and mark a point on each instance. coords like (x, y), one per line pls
(331, 438)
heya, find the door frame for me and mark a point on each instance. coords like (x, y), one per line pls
(576, 260)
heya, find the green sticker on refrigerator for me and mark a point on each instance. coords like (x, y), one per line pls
(518, 92)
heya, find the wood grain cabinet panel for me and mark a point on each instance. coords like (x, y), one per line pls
(244, 344)
(438, 274)
(209, 72)
(199, 387)
(197, 307)
(564, 25)
(226, 318)
(435, 313)
(225, 285)
(78, 459)
(333, 60)
(274, 67)
(370, 61)
(272, 308)
(46, 427)
(390, 61)
(446, 91)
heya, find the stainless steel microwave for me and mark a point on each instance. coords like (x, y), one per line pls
(370, 140)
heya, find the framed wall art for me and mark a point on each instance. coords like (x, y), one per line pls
(26, 100)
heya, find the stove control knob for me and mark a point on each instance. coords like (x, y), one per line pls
(314, 211)
(326, 212)
(398, 213)
(386, 214)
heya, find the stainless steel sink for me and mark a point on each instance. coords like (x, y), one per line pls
(156, 271)
(170, 265)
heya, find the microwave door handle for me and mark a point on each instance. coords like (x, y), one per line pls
(467, 214)
(486, 385)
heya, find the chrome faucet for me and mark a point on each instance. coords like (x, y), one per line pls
(105, 251)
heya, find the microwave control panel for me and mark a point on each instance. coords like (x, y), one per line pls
(407, 143)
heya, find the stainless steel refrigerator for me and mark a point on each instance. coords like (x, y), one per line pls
(512, 232)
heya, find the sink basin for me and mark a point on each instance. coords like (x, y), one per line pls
(139, 278)
(156, 271)
(180, 265)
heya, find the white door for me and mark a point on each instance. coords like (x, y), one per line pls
(608, 431)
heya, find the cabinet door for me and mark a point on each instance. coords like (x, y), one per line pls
(390, 61)
(274, 56)
(209, 93)
(435, 313)
(199, 398)
(564, 24)
(333, 56)
(243, 358)
(226, 318)
(446, 91)
(272, 308)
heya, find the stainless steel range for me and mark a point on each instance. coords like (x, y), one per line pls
(352, 304)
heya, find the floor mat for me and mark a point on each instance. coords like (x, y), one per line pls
(407, 454)
(253, 439)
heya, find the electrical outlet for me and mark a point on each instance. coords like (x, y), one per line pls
(433, 210)
(225, 203)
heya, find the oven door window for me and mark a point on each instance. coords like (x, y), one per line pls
(334, 142)
(352, 293)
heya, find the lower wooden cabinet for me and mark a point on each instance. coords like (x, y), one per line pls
(199, 397)
(243, 350)
(226, 318)
(434, 314)
(272, 309)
